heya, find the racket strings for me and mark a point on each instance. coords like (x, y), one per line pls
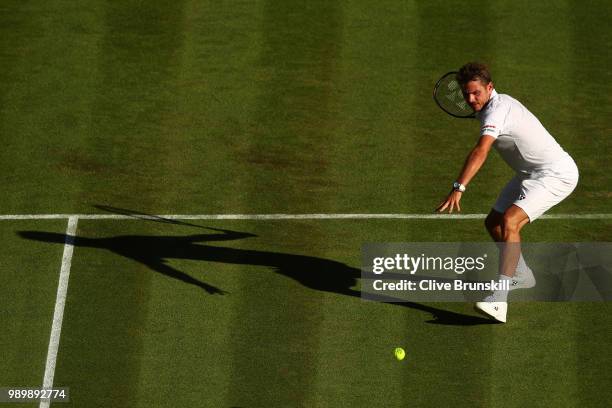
(450, 98)
(455, 98)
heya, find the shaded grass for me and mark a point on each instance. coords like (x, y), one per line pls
(30, 273)
(310, 345)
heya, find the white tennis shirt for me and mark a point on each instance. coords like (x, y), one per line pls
(521, 140)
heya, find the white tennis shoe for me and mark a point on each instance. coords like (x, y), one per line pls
(493, 309)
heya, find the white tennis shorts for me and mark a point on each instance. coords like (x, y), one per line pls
(540, 191)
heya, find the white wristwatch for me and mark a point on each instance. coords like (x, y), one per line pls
(457, 186)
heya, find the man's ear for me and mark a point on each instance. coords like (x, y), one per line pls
(490, 86)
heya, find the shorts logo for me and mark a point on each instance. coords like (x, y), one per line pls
(521, 197)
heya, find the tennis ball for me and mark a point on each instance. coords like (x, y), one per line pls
(400, 353)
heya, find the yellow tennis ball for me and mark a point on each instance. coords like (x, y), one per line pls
(400, 353)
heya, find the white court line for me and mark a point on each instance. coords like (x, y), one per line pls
(285, 216)
(60, 302)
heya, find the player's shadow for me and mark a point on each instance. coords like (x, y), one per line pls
(316, 273)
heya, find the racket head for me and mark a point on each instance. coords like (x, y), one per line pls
(449, 97)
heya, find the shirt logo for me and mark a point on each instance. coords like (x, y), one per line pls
(522, 197)
(488, 129)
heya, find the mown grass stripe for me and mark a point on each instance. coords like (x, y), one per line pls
(287, 158)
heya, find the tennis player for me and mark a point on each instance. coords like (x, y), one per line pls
(545, 175)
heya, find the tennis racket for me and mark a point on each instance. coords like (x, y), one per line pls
(449, 97)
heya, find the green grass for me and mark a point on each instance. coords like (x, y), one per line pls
(203, 108)
(269, 329)
(193, 107)
(30, 272)
(169, 342)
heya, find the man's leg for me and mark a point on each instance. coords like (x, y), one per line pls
(513, 220)
(508, 234)
(493, 223)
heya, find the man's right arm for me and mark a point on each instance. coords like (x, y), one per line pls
(476, 159)
(472, 164)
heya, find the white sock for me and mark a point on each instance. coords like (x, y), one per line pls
(521, 266)
(502, 294)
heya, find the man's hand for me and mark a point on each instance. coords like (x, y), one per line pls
(451, 202)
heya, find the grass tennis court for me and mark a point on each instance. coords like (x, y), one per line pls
(265, 107)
